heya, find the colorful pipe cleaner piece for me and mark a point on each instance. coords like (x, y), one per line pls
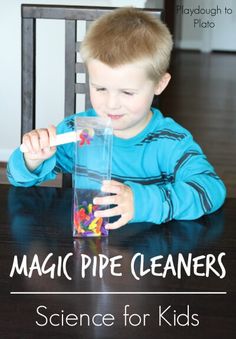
(86, 224)
(86, 136)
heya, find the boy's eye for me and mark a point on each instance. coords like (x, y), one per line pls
(128, 93)
(100, 89)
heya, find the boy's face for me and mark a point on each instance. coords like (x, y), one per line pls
(122, 93)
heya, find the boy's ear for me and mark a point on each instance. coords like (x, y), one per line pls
(162, 84)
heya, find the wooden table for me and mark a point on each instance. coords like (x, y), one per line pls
(36, 222)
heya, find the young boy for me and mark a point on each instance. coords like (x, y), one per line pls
(158, 172)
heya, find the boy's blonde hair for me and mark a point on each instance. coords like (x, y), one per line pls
(128, 35)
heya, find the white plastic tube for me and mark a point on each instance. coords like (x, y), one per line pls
(60, 139)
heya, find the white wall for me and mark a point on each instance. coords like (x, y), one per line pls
(50, 68)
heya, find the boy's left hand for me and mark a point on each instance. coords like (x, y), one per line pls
(122, 196)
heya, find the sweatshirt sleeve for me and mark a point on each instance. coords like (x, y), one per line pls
(192, 189)
(19, 175)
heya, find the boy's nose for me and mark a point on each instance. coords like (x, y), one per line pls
(113, 101)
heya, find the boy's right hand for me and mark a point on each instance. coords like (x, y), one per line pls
(38, 147)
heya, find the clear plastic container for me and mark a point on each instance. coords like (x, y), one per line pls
(93, 156)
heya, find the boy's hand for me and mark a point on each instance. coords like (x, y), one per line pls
(122, 197)
(38, 147)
